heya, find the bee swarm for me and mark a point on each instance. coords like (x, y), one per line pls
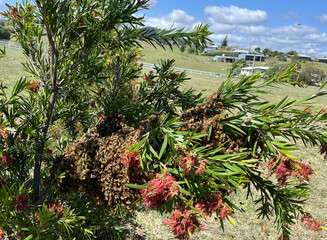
(93, 162)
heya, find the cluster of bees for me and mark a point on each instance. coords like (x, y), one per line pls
(93, 162)
(207, 118)
(92, 165)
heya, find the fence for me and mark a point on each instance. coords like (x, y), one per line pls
(151, 66)
(10, 45)
(145, 65)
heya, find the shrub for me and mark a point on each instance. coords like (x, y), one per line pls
(4, 33)
(90, 49)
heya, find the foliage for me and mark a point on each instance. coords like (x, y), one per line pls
(87, 49)
(4, 33)
(292, 52)
(196, 159)
(182, 48)
(224, 43)
(257, 49)
(194, 166)
(305, 75)
(311, 75)
(267, 52)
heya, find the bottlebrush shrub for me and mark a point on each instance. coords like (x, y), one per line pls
(50, 221)
(208, 153)
(203, 156)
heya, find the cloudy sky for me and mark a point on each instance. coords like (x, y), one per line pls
(281, 25)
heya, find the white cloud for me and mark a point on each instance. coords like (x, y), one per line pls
(177, 18)
(236, 15)
(247, 28)
(322, 18)
(2, 5)
(290, 15)
(221, 27)
(152, 4)
(254, 30)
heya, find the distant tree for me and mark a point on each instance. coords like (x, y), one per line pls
(257, 49)
(292, 52)
(282, 58)
(310, 75)
(267, 52)
(4, 33)
(275, 53)
(224, 43)
(295, 56)
(182, 48)
(191, 50)
(2, 24)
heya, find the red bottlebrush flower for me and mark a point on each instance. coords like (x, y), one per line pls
(286, 169)
(2, 235)
(135, 99)
(131, 159)
(312, 223)
(2, 180)
(187, 163)
(56, 209)
(308, 110)
(4, 134)
(202, 167)
(305, 170)
(141, 64)
(284, 172)
(19, 235)
(34, 87)
(21, 202)
(324, 110)
(159, 189)
(102, 116)
(6, 160)
(225, 212)
(209, 205)
(183, 222)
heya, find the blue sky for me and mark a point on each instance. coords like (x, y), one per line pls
(279, 25)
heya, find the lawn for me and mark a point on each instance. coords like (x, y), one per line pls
(149, 223)
(11, 68)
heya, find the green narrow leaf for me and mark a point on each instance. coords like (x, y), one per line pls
(163, 147)
(235, 127)
(135, 186)
(232, 221)
(153, 151)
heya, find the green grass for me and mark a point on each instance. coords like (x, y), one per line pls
(10, 67)
(183, 60)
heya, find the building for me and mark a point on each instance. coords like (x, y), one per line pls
(305, 57)
(247, 71)
(210, 49)
(323, 60)
(252, 56)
